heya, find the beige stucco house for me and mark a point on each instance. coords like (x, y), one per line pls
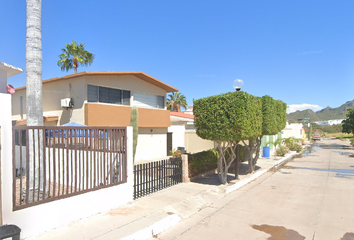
(105, 98)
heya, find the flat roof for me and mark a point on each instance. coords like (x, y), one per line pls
(10, 70)
(137, 74)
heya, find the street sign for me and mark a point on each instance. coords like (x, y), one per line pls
(306, 118)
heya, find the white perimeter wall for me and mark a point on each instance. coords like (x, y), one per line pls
(43, 217)
(6, 147)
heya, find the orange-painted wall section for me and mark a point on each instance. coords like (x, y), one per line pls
(109, 115)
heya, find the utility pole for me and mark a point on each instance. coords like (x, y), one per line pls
(307, 124)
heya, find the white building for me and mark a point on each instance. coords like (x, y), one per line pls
(329, 122)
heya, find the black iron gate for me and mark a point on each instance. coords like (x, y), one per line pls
(154, 176)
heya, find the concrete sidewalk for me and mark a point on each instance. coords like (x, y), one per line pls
(155, 213)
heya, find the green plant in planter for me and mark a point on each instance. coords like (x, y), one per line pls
(275, 143)
(293, 144)
(176, 153)
(296, 147)
(291, 141)
(281, 151)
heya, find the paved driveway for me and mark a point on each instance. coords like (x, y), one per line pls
(309, 198)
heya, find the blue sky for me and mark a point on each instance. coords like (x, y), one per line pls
(298, 51)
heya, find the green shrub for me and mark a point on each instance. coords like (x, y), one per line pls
(352, 141)
(291, 141)
(296, 147)
(282, 150)
(202, 162)
(242, 153)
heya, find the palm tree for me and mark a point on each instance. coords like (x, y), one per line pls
(73, 55)
(175, 101)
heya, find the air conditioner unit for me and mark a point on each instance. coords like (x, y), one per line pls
(66, 103)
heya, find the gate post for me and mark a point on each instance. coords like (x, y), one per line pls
(185, 170)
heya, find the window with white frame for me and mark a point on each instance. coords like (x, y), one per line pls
(148, 100)
(108, 95)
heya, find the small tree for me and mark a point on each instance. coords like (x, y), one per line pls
(348, 124)
(228, 119)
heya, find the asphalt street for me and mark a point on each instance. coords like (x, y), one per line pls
(308, 198)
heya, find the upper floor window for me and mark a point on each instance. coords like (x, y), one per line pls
(148, 100)
(108, 95)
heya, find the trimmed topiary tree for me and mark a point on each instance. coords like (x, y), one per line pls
(134, 119)
(269, 127)
(228, 119)
(274, 121)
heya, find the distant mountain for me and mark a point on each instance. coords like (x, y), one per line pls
(327, 113)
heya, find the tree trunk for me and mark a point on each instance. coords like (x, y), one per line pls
(34, 109)
(251, 148)
(237, 162)
(75, 64)
(223, 163)
(258, 149)
(221, 160)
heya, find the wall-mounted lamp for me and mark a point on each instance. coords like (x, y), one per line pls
(151, 130)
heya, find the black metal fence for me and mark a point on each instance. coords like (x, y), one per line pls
(155, 176)
(51, 163)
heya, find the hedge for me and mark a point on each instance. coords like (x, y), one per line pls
(202, 162)
(205, 161)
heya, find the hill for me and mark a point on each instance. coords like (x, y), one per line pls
(327, 113)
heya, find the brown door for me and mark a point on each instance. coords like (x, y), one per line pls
(169, 144)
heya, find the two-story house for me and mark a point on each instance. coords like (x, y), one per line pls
(105, 98)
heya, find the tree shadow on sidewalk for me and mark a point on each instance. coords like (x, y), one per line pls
(214, 179)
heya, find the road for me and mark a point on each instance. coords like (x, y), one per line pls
(309, 198)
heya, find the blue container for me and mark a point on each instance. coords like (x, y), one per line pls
(266, 152)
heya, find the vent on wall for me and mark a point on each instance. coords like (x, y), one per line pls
(66, 103)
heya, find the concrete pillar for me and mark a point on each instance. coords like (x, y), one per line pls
(3, 81)
(185, 170)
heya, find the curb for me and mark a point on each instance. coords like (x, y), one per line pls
(154, 229)
(171, 220)
(243, 182)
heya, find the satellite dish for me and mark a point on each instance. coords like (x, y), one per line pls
(10, 89)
